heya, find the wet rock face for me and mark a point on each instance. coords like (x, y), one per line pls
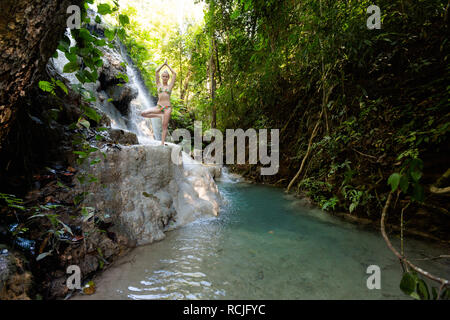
(111, 81)
(122, 137)
(122, 96)
(15, 281)
(146, 194)
(215, 170)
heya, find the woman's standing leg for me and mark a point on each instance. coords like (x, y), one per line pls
(165, 124)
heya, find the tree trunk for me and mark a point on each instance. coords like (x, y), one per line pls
(212, 70)
(186, 85)
(29, 34)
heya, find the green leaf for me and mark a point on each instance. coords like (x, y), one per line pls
(64, 45)
(434, 292)
(43, 255)
(416, 175)
(87, 213)
(63, 87)
(103, 8)
(95, 161)
(85, 123)
(404, 183)
(71, 67)
(81, 154)
(92, 114)
(98, 19)
(422, 290)
(66, 227)
(415, 295)
(408, 283)
(99, 63)
(46, 86)
(16, 206)
(121, 33)
(100, 42)
(72, 57)
(394, 181)
(235, 14)
(60, 184)
(80, 76)
(418, 193)
(86, 35)
(124, 19)
(416, 164)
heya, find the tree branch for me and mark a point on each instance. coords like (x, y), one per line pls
(442, 281)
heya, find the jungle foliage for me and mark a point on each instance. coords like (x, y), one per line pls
(380, 96)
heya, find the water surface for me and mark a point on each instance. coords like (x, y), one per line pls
(264, 245)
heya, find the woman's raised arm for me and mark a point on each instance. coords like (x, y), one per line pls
(174, 76)
(158, 83)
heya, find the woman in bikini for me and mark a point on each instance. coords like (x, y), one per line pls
(163, 106)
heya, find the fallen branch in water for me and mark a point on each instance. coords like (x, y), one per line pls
(403, 260)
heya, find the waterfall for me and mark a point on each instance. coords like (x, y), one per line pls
(139, 125)
(146, 130)
(142, 190)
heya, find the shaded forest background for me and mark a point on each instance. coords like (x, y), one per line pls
(375, 102)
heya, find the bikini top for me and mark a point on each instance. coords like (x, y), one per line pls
(161, 90)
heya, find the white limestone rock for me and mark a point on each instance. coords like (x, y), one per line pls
(145, 193)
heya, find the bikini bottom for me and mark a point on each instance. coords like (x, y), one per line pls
(163, 108)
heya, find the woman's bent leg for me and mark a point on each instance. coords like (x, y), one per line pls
(152, 113)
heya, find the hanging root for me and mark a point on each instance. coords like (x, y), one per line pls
(444, 282)
(437, 188)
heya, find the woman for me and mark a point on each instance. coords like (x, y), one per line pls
(163, 106)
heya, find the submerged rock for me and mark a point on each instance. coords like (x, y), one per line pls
(145, 193)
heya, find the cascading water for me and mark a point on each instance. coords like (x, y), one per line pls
(145, 131)
(144, 190)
